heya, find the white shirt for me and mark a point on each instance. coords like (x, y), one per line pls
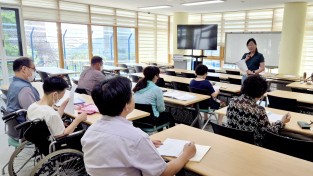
(113, 146)
(52, 117)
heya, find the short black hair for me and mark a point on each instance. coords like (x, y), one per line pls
(254, 86)
(20, 62)
(111, 95)
(96, 59)
(54, 83)
(201, 69)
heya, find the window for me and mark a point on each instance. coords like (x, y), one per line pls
(153, 37)
(75, 46)
(211, 63)
(126, 45)
(103, 43)
(13, 42)
(307, 50)
(42, 43)
(11, 32)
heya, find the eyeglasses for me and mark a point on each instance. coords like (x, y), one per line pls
(32, 68)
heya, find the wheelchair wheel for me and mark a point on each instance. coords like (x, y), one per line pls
(64, 162)
(22, 160)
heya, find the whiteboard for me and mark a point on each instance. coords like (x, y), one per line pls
(268, 44)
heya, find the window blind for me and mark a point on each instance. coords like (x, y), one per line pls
(102, 15)
(307, 50)
(74, 12)
(41, 10)
(259, 20)
(126, 18)
(162, 38)
(15, 2)
(147, 37)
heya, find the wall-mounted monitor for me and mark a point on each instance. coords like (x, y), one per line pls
(198, 37)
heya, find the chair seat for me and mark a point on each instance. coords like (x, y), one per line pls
(13, 142)
(148, 130)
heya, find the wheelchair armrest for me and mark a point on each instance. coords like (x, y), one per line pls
(72, 135)
(142, 123)
(19, 126)
(13, 114)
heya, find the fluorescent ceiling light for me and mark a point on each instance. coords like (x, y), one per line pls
(202, 2)
(155, 7)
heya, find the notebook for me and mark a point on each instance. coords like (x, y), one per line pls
(272, 117)
(179, 95)
(174, 148)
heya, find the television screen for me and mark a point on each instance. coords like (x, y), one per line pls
(199, 37)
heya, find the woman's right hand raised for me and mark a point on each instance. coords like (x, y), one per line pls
(247, 57)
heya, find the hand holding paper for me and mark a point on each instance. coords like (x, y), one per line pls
(242, 66)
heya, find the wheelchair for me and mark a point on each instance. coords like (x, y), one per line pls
(42, 154)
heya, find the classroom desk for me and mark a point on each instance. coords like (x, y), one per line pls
(220, 75)
(300, 97)
(171, 102)
(290, 126)
(231, 157)
(136, 114)
(280, 76)
(231, 88)
(299, 85)
(54, 71)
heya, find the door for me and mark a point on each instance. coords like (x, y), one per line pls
(11, 41)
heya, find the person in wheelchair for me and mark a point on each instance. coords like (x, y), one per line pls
(113, 146)
(54, 89)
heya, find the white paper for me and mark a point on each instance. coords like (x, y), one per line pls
(77, 100)
(179, 95)
(242, 66)
(174, 148)
(289, 76)
(69, 109)
(216, 88)
(274, 117)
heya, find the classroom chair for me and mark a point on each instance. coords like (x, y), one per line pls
(205, 105)
(138, 69)
(301, 91)
(232, 72)
(211, 70)
(244, 136)
(43, 75)
(171, 73)
(180, 86)
(81, 91)
(213, 78)
(234, 81)
(188, 75)
(123, 72)
(286, 104)
(148, 124)
(134, 78)
(160, 82)
(294, 147)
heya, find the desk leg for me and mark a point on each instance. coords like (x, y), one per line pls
(198, 117)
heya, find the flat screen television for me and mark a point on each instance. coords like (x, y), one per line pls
(198, 37)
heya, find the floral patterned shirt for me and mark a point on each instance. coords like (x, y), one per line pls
(244, 114)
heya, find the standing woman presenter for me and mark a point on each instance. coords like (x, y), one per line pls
(253, 59)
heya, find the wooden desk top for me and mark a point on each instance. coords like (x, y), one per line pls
(199, 98)
(301, 97)
(290, 126)
(220, 75)
(55, 71)
(136, 114)
(231, 157)
(233, 88)
(299, 85)
(280, 76)
(112, 68)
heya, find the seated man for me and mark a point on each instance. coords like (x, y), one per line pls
(112, 145)
(54, 89)
(21, 94)
(92, 75)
